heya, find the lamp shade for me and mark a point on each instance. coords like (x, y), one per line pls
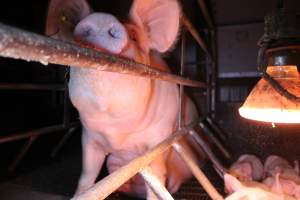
(264, 103)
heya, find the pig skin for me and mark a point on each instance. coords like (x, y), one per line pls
(123, 116)
(247, 168)
(277, 165)
(250, 190)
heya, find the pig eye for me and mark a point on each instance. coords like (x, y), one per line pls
(133, 35)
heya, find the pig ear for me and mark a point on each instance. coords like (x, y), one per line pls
(159, 20)
(63, 16)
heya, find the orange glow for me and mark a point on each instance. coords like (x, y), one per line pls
(266, 104)
(271, 115)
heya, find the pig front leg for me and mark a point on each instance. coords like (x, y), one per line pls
(92, 160)
(159, 169)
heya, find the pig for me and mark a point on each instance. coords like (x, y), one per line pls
(281, 177)
(251, 190)
(275, 165)
(247, 168)
(124, 116)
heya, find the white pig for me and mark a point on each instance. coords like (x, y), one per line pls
(247, 168)
(275, 165)
(123, 116)
(250, 190)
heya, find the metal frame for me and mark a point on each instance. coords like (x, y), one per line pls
(18, 44)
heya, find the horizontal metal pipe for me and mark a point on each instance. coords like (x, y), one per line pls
(198, 173)
(20, 44)
(29, 86)
(112, 182)
(189, 26)
(37, 132)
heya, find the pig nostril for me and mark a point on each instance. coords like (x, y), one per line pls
(86, 32)
(115, 33)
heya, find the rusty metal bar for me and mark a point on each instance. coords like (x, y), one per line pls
(181, 87)
(217, 129)
(37, 132)
(154, 183)
(200, 176)
(189, 26)
(215, 140)
(205, 13)
(112, 182)
(29, 86)
(20, 44)
(208, 152)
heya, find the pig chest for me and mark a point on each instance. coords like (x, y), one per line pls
(123, 111)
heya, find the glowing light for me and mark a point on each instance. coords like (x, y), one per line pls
(270, 115)
(267, 105)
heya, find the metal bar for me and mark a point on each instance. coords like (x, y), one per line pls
(214, 74)
(208, 152)
(37, 132)
(22, 153)
(154, 183)
(61, 143)
(205, 13)
(67, 106)
(29, 86)
(220, 133)
(181, 87)
(20, 44)
(112, 182)
(189, 26)
(200, 176)
(215, 140)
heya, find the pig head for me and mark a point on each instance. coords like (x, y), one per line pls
(123, 116)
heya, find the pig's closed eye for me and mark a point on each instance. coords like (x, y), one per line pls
(133, 35)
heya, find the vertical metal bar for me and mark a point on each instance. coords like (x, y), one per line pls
(22, 153)
(205, 13)
(181, 87)
(214, 73)
(154, 183)
(208, 82)
(208, 152)
(200, 176)
(66, 119)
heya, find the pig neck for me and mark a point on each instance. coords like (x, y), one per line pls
(113, 101)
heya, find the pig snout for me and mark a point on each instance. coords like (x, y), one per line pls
(103, 31)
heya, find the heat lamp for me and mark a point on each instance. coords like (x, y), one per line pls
(276, 97)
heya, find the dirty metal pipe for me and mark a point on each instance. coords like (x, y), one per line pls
(28, 86)
(189, 26)
(37, 132)
(208, 152)
(20, 44)
(181, 88)
(205, 13)
(154, 183)
(112, 182)
(198, 173)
